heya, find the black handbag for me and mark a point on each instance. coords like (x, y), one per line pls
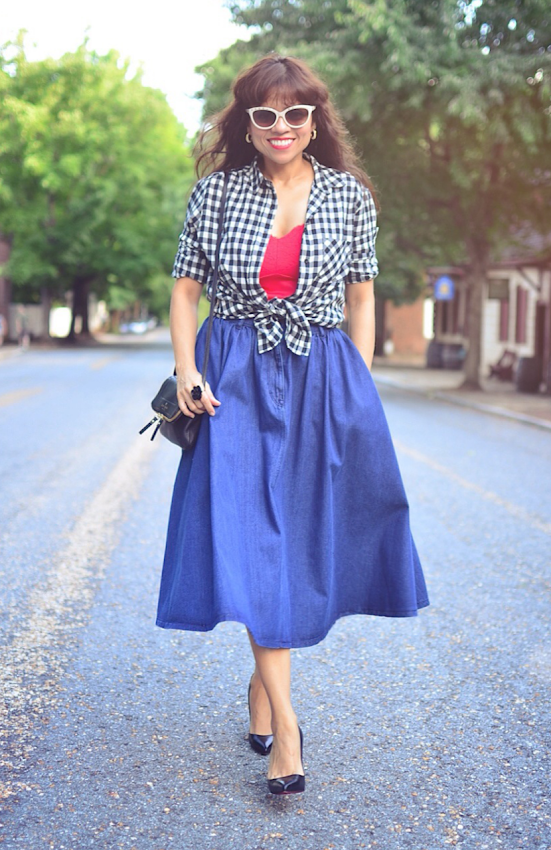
(169, 419)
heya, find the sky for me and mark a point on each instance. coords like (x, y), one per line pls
(167, 38)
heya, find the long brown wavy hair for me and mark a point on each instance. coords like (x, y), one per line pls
(221, 145)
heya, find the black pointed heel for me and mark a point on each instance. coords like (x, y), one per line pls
(295, 783)
(261, 744)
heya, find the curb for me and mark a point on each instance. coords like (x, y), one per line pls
(491, 410)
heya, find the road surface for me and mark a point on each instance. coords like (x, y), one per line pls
(420, 733)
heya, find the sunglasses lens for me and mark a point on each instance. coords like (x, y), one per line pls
(296, 117)
(264, 118)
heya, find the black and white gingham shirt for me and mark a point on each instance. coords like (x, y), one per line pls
(338, 247)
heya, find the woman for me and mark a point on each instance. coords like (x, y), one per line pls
(290, 511)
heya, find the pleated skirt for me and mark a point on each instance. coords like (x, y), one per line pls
(290, 511)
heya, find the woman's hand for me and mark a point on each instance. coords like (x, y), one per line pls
(185, 381)
(183, 330)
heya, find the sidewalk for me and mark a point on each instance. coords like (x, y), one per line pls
(497, 398)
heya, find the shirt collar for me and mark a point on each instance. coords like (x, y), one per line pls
(325, 178)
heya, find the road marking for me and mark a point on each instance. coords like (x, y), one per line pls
(17, 395)
(104, 361)
(32, 665)
(510, 507)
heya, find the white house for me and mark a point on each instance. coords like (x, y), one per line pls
(516, 311)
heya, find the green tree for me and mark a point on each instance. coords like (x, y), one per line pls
(95, 169)
(449, 103)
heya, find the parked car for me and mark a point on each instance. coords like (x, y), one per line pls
(139, 326)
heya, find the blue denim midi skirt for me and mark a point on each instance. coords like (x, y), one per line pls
(290, 511)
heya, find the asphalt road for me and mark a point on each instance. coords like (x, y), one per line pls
(421, 733)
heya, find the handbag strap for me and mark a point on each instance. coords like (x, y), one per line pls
(214, 286)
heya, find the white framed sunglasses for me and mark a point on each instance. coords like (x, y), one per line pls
(264, 117)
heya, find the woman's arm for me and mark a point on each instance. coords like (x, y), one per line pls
(360, 303)
(183, 330)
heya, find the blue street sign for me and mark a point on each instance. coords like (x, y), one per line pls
(444, 288)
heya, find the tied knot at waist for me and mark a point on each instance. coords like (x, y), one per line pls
(283, 319)
(279, 319)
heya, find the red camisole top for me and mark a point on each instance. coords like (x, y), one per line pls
(280, 267)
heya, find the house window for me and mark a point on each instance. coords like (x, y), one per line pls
(522, 305)
(498, 287)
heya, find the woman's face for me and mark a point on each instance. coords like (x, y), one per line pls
(281, 144)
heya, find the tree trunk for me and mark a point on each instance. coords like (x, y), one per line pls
(5, 283)
(81, 291)
(477, 283)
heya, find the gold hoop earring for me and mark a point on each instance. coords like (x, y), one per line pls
(314, 134)
(248, 138)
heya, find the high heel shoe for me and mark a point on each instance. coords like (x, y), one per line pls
(295, 783)
(261, 744)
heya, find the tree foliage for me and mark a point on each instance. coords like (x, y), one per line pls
(93, 175)
(449, 104)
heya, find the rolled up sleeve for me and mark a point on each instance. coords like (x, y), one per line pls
(190, 260)
(364, 265)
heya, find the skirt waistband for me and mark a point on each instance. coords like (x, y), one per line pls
(317, 330)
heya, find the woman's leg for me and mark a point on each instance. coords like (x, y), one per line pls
(261, 713)
(273, 667)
